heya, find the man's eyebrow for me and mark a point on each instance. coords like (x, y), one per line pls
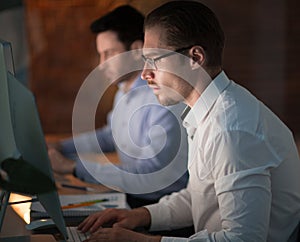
(150, 53)
(108, 50)
(155, 52)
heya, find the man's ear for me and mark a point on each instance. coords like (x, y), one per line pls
(137, 44)
(136, 48)
(198, 56)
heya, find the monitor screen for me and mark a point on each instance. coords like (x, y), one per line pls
(24, 164)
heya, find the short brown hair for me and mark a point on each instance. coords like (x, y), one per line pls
(125, 20)
(190, 23)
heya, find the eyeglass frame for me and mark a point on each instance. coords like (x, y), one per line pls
(152, 61)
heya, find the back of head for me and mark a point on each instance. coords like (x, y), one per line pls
(188, 23)
(125, 20)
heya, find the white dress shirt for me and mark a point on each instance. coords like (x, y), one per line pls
(244, 172)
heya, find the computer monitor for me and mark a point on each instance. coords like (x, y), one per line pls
(24, 164)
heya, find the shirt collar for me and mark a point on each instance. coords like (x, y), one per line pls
(138, 82)
(193, 116)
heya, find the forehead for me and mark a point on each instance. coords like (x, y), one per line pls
(108, 40)
(154, 38)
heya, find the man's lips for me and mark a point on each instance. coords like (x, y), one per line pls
(152, 85)
(154, 88)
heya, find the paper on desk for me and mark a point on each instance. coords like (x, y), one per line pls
(117, 200)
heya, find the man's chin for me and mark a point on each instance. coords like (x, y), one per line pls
(166, 102)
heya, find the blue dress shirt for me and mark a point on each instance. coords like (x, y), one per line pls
(149, 139)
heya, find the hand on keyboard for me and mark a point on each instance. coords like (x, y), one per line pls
(75, 235)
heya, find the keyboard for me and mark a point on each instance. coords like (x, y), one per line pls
(75, 235)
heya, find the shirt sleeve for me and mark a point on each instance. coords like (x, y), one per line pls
(172, 211)
(240, 164)
(160, 141)
(173, 151)
(173, 239)
(201, 236)
(166, 142)
(86, 142)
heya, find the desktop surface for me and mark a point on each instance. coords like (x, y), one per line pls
(30, 238)
(15, 217)
(13, 224)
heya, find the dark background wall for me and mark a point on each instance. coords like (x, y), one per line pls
(63, 53)
(261, 53)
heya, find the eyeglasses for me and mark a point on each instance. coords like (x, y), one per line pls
(152, 61)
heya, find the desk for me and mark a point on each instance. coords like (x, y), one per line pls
(17, 216)
(14, 226)
(70, 179)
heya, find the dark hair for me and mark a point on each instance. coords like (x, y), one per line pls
(126, 21)
(189, 23)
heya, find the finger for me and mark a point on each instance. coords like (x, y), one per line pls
(121, 224)
(97, 239)
(88, 222)
(108, 216)
(102, 231)
(52, 152)
(99, 235)
(124, 223)
(94, 221)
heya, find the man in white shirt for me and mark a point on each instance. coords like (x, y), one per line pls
(243, 161)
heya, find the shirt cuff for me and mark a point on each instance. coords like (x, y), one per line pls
(173, 239)
(159, 217)
(201, 236)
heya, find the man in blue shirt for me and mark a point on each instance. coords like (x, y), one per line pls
(148, 138)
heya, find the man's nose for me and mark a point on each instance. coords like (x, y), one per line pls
(147, 74)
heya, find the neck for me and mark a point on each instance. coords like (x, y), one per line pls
(201, 85)
(129, 80)
(214, 72)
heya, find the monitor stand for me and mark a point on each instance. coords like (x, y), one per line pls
(4, 199)
(4, 202)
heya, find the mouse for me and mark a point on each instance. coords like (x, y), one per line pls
(41, 224)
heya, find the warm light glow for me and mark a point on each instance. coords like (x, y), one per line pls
(23, 209)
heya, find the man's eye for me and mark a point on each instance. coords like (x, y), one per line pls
(108, 54)
(157, 61)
